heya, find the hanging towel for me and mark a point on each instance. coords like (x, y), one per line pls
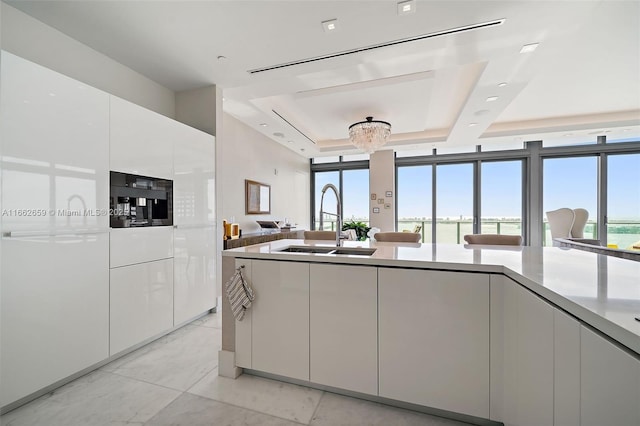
(239, 293)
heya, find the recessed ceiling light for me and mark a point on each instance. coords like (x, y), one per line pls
(302, 149)
(482, 112)
(330, 26)
(278, 135)
(52, 94)
(473, 124)
(263, 124)
(502, 84)
(290, 141)
(406, 7)
(492, 98)
(568, 134)
(527, 48)
(222, 58)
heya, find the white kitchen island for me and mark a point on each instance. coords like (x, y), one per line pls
(485, 334)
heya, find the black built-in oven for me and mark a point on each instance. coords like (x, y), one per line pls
(140, 201)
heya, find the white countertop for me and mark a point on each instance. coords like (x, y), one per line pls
(602, 291)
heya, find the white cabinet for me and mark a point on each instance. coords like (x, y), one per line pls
(141, 305)
(194, 272)
(194, 219)
(54, 310)
(194, 178)
(526, 325)
(141, 140)
(280, 318)
(136, 245)
(610, 383)
(566, 370)
(55, 263)
(55, 150)
(434, 339)
(343, 327)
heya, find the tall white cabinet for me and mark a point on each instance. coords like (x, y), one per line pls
(54, 317)
(63, 306)
(194, 222)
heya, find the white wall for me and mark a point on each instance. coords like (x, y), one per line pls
(29, 38)
(382, 178)
(247, 154)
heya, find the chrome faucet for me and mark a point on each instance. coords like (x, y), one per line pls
(337, 214)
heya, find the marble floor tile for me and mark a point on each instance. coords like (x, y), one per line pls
(178, 360)
(338, 410)
(193, 410)
(97, 399)
(279, 399)
(209, 320)
(161, 342)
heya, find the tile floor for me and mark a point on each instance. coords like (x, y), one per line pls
(174, 381)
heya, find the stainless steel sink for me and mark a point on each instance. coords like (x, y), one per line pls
(307, 249)
(357, 251)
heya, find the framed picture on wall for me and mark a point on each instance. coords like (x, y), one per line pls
(257, 197)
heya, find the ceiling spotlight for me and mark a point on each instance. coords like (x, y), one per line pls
(263, 124)
(482, 112)
(502, 84)
(302, 149)
(222, 58)
(406, 7)
(290, 141)
(330, 25)
(528, 48)
(278, 135)
(492, 98)
(473, 124)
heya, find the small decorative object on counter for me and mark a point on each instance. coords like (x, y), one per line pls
(240, 294)
(231, 230)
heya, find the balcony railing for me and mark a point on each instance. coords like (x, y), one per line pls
(622, 234)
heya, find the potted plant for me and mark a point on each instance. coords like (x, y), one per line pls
(361, 229)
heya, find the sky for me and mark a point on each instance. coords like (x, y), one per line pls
(568, 182)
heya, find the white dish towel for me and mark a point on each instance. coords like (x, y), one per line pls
(240, 294)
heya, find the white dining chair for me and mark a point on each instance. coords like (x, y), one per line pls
(561, 222)
(579, 222)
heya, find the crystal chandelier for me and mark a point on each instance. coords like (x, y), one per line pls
(369, 135)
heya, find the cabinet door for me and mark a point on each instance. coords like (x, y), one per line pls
(141, 303)
(54, 312)
(194, 181)
(194, 272)
(136, 245)
(434, 339)
(280, 318)
(610, 383)
(566, 370)
(343, 327)
(55, 150)
(243, 328)
(141, 140)
(527, 357)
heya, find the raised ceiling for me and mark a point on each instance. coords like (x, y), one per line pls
(581, 81)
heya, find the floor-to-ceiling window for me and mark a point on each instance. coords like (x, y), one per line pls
(571, 182)
(496, 191)
(454, 202)
(414, 195)
(350, 175)
(501, 197)
(355, 195)
(329, 202)
(623, 202)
